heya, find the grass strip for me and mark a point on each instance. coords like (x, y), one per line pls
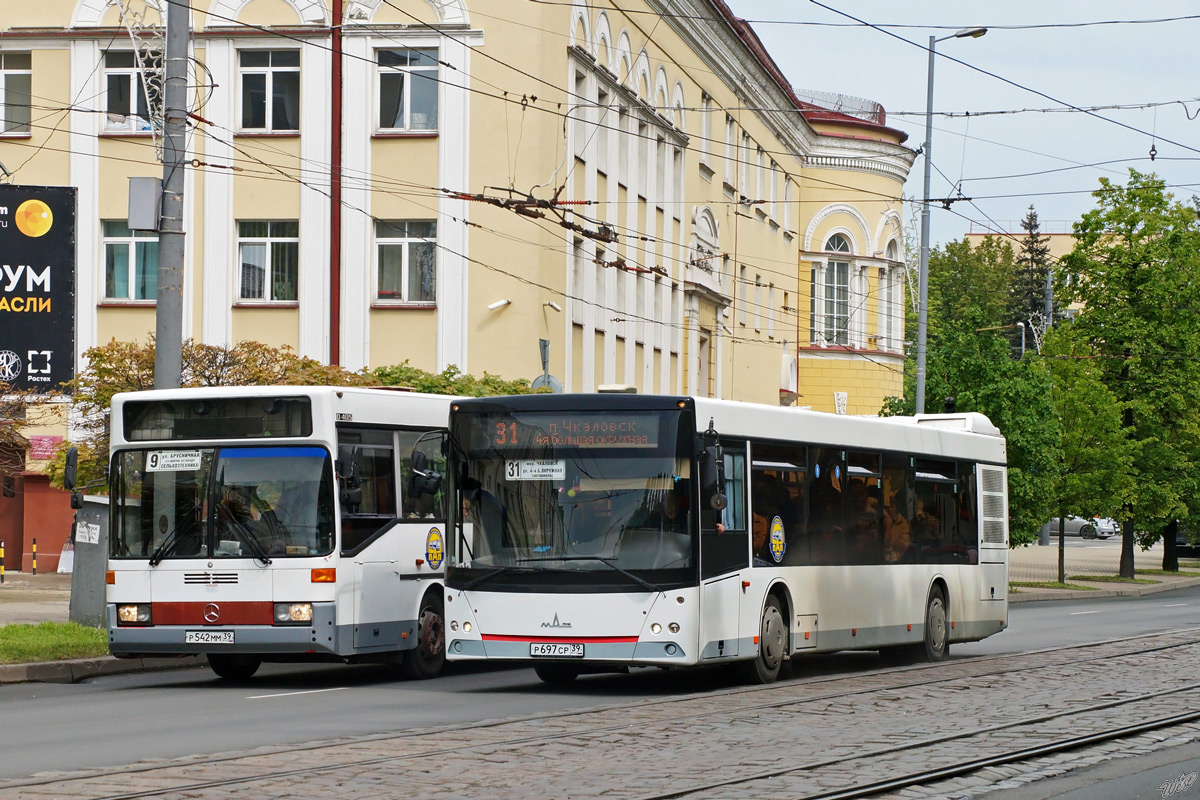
(1180, 573)
(1051, 585)
(1111, 579)
(50, 641)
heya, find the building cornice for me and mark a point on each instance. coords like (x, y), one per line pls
(731, 61)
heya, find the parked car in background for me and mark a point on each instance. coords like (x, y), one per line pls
(1187, 541)
(1074, 526)
(1106, 527)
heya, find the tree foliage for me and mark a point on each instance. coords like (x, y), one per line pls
(1138, 253)
(448, 381)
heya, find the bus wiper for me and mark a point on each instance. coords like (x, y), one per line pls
(605, 561)
(248, 536)
(172, 539)
(490, 575)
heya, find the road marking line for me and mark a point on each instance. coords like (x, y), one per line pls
(293, 694)
(1173, 605)
(1080, 613)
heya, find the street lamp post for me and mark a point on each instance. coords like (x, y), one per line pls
(923, 272)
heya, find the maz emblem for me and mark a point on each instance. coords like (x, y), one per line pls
(556, 623)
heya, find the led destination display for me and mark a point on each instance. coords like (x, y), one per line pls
(582, 430)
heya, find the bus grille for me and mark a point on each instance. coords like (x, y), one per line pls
(209, 578)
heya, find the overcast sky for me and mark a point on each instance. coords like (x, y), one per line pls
(1086, 67)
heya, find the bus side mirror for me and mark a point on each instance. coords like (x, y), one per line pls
(423, 480)
(70, 470)
(712, 477)
(76, 500)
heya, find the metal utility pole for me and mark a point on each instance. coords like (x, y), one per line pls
(923, 269)
(168, 325)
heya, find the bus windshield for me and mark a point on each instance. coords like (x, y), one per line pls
(227, 502)
(604, 497)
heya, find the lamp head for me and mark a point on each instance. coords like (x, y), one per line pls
(970, 33)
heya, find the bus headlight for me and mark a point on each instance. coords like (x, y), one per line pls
(673, 627)
(453, 624)
(133, 614)
(467, 627)
(293, 613)
(655, 628)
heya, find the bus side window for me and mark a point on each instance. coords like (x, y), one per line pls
(421, 506)
(726, 551)
(374, 472)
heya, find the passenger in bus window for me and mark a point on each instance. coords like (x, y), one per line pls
(826, 533)
(897, 536)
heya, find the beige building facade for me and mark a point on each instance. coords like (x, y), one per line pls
(448, 182)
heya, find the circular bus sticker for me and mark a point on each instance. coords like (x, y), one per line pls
(777, 542)
(434, 551)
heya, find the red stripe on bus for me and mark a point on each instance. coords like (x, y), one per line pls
(493, 637)
(228, 613)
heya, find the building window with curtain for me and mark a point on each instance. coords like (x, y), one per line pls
(269, 259)
(836, 291)
(130, 262)
(15, 81)
(270, 86)
(133, 90)
(406, 251)
(408, 90)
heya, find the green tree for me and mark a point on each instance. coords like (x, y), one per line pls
(1093, 455)
(1027, 297)
(1138, 255)
(448, 381)
(969, 359)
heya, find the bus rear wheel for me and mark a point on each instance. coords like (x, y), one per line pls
(772, 646)
(937, 630)
(556, 674)
(234, 666)
(429, 656)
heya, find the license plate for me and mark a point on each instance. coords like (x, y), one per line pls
(556, 649)
(208, 637)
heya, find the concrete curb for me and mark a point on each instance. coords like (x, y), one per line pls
(1127, 590)
(83, 668)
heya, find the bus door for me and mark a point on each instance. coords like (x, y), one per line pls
(369, 502)
(723, 556)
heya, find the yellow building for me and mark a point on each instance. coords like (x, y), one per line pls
(448, 182)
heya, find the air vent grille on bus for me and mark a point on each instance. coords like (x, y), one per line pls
(209, 578)
(993, 506)
(995, 512)
(993, 480)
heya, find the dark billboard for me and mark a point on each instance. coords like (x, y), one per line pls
(37, 286)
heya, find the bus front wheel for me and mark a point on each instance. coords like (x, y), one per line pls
(234, 666)
(429, 656)
(772, 646)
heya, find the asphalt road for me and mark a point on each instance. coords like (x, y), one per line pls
(123, 719)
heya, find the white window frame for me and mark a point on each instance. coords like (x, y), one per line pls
(20, 122)
(835, 289)
(706, 107)
(407, 71)
(130, 242)
(268, 71)
(131, 119)
(269, 243)
(730, 149)
(405, 243)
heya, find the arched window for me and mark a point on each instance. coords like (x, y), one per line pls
(836, 291)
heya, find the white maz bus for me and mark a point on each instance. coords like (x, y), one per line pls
(593, 532)
(277, 523)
